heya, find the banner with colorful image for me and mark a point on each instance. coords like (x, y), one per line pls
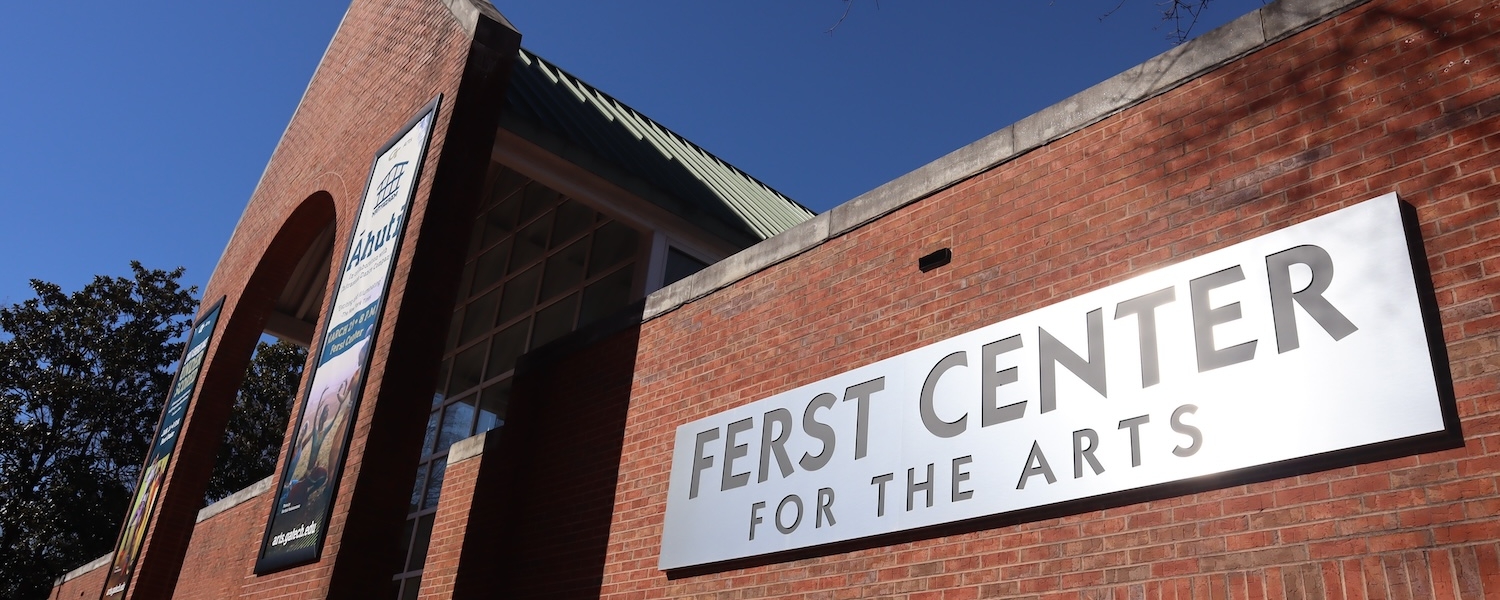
(133, 533)
(305, 493)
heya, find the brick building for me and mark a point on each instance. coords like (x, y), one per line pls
(548, 400)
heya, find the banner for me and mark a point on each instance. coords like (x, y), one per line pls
(133, 532)
(309, 477)
(1313, 346)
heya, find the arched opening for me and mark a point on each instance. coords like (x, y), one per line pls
(295, 313)
(263, 404)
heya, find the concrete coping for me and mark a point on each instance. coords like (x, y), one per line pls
(1168, 70)
(98, 563)
(469, 447)
(469, 12)
(235, 499)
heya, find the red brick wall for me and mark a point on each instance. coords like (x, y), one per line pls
(86, 586)
(451, 526)
(387, 61)
(567, 461)
(221, 556)
(530, 517)
(1390, 97)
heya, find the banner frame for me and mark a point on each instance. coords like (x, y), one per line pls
(264, 564)
(213, 312)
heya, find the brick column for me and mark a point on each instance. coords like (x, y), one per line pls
(466, 460)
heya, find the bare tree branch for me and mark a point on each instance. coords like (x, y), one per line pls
(848, 6)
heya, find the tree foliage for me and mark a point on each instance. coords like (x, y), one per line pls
(82, 380)
(258, 423)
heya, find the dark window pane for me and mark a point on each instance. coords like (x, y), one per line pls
(406, 532)
(442, 383)
(465, 282)
(680, 265)
(520, 294)
(554, 321)
(434, 483)
(468, 367)
(507, 182)
(420, 539)
(573, 218)
(409, 592)
(613, 244)
(492, 406)
(476, 237)
(479, 317)
(606, 295)
(453, 327)
(458, 421)
(432, 429)
(416, 489)
(490, 267)
(500, 221)
(538, 198)
(530, 244)
(506, 347)
(564, 270)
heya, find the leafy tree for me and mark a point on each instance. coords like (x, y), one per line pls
(258, 423)
(82, 381)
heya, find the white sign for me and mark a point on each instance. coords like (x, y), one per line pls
(1305, 341)
(305, 494)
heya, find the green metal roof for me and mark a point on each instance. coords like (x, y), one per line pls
(561, 113)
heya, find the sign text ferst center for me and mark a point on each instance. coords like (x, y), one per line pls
(1303, 342)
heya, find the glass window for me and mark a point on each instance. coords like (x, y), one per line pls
(537, 199)
(467, 369)
(492, 406)
(520, 294)
(416, 490)
(453, 328)
(479, 317)
(500, 221)
(490, 267)
(442, 382)
(412, 586)
(564, 271)
(465, 282)
(539, 266)
(507, 183)
(680, 265)
(431, 437)
(406, 531)
(531, 243)
(421, 537)
(506, 347)
(605, 296)
(613, 244)
(458, 421)
(434, 487)
(554, 321)
(573, 218)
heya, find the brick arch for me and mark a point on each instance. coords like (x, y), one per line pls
(246, 312)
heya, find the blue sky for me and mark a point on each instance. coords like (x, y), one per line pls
(139, 130)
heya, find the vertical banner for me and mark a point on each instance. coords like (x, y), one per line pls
(309, 478)
(133, 532)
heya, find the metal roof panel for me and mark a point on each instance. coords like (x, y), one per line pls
(593, 121)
